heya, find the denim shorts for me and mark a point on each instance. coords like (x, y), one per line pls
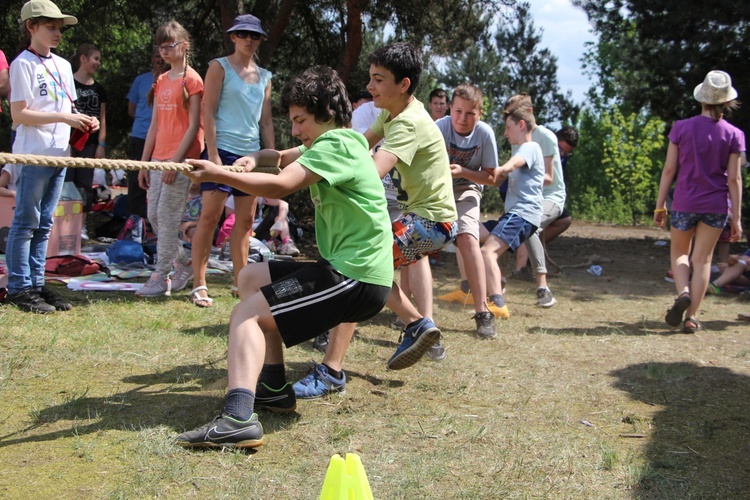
(227, 158)
(685, 221)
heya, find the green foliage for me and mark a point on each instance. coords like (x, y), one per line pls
(650, 55)
(510, 63)
(630, 157)
(614, 174)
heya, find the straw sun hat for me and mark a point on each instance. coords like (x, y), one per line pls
(715, 89)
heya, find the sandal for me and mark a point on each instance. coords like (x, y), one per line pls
(691, 325)
(743, 316)
(235, 291)
(674, 313)
(199, 301)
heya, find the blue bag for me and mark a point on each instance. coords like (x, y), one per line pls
(125, 252)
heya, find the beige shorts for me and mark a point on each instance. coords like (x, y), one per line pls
(467, 206)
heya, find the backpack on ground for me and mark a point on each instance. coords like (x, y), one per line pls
(73, 265)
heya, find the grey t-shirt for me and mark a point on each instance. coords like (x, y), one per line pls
(524, 196)
(473, 151)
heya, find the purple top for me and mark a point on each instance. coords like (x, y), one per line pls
(704, 147)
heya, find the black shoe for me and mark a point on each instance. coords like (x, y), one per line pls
(30, 301)
(675, 313)
(485, 324)
(51, 298)
(321, 341)
(275, 400)
(224, 432)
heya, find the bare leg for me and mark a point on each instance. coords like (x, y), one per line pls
(212, 207)
(556, 228)
(493, 248)
(474, 266)
(251, 278)
(729, 275)
(679, 250)
(253, 340)
(338, 343)
(420, 279)
(522, 257)
(239, 238)
(703, 250)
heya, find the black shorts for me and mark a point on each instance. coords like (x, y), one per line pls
(306, 299)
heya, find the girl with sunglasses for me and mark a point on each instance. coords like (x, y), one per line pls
(237, 116)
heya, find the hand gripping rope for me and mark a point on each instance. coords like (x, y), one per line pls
(67, 161)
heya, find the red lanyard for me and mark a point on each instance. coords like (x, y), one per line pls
(67, 94)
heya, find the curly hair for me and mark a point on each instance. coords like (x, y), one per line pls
(401, 59)
(320, 91)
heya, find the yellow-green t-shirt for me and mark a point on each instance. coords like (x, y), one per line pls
(423, 175)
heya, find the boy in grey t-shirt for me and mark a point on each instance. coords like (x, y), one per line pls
(472, 151)
(523, 203)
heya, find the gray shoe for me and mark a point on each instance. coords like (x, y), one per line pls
(544, 297)
(485, 324)
(436, 352)
(182, 274)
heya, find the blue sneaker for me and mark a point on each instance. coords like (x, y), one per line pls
(318, 383)
(415, 342)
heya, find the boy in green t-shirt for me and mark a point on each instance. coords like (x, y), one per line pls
(415, 147)
(350, 282)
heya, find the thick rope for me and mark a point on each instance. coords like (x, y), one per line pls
(68, 161)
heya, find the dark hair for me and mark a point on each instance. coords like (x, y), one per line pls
(362, 95)
(439, 93)
(85, 49)
(172, 31)
(320, 91)
(401, 59)
(568, 134)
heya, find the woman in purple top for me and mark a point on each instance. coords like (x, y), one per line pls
(707, 150)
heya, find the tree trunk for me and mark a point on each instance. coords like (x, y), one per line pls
(229, 9)
(353, 46)
(286, 9)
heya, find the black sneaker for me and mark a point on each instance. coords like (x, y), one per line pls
(30, 301)
(224, 432)
(485, 324)
(275, 400)
(321, 341)
(51, 298)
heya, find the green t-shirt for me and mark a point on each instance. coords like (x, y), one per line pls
(423, 175)
(352, 227)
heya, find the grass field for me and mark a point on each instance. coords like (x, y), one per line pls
(593, 398)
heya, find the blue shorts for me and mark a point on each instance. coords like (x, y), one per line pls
(513, 230)
(227, 158)
(685, 221)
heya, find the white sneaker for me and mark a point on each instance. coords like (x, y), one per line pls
(182, 274)
(84, 233)
(289, 248)
(155, 286)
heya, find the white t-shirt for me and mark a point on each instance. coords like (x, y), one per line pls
(13, 171)
(31, 81)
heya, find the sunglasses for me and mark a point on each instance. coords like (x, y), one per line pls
(166, 47)
(245, 34)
